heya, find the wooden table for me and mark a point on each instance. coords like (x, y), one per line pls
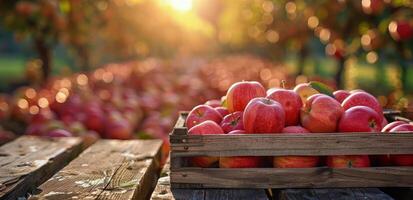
(38, 168)
(164, 191)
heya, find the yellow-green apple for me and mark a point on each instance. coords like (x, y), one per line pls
(204, 128)
(264, 115)
(406, 159)
(240, 94)
(295, 161)
(202, 113)
(232, 121)
(321, 114)
(240, 162)
(340, 95)
(291, 103)
(360, 119)
(392, 125)
(222, 110)
(305, 91)
(362, 99)
(348, 161)
(213, 103)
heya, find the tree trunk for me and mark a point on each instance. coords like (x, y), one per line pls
(339, 74)
(84, 58)
(302, 56)
(403, 66)
(45, 56)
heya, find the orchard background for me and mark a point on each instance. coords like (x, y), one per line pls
(124, 68)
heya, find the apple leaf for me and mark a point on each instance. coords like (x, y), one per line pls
(322, 88)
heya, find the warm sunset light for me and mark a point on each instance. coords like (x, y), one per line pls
(180, 5)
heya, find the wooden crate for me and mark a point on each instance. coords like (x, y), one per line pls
(320, 144)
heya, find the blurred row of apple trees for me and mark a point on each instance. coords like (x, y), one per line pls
(375, 32)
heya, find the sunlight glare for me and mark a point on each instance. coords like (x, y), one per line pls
(181, 5)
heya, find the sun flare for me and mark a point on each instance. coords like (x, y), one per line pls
(180, 5)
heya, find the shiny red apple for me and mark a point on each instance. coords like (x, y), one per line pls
(222, 110)
(340, 95)
(392, 125)
(241, 93)
(321, 114)
(348, 161)
(206, 127)
(295, 161)
(360, 119)
(362, 99)
(264, 115)
(240, 162)
(291, 103)
(232, 121)
(202, 113)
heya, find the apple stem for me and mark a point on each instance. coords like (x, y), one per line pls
(283, 84)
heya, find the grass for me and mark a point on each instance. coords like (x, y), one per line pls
(12, 70)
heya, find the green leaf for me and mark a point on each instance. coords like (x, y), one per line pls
(322, 88)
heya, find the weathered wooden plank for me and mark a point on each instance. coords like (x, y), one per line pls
(29, 161)
(163, 191)
(179, 128)
(321, 177)
(298, 144)
(109, 169)
(334, 194)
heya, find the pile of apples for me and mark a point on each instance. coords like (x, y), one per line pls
(248, 108)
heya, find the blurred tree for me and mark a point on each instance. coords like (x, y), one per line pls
(40, 20)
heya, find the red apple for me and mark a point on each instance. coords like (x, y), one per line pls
(206, 127)
(392, 125)
(321, 114)
(406, 159)
(360, 119)
(232, 121)
(202, 113)
(403, 128)
(348, 161)
(340, 95)
(305, 91)
(58, 133)
(213, 103)
(401, 30)
(222, 110)
(241, 93)
(362, 99)
(116, 127)
(240, 162)
(291, 103)
(237, 132)
(295, 129)
(263, 115)
(295, 161)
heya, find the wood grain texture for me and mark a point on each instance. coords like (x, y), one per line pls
(163, 191)
(29, 161)
(334, 194)
(109, 169)
(321, 177)
(183, 144)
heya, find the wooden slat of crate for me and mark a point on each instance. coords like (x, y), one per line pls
(334, 194)
(109, 169)
(321, 177)
(183, 144)
(29, 161)
(298, 144)
(163, 191)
